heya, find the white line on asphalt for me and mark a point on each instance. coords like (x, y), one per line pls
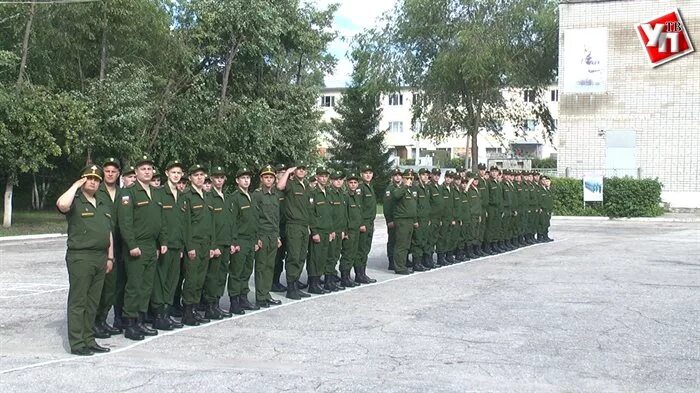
(247, 314)
(31, 294)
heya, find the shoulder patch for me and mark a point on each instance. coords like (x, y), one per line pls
(125, 200)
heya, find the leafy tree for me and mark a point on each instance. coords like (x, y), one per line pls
(462, 55)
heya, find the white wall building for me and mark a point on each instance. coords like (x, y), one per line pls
(619, 113)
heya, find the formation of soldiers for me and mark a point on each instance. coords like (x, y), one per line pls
(162, 249)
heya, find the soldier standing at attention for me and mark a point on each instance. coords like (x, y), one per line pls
(215, 280)
(547, 205)
(388, 215)
(353, 203)
(494, 211)
(109, 190)
(129, 176)
(321, 231)
(434, 190)
(144, 235)
(199, 245)
(88, 258)
(297, 219)
(406, 220)
(420, 247)
(266, 199)
(277, 286)
(340, 223)
(245, 242)
(168, 267)
(475, 215)
(369, 212)
(483, 177)
(448, 222)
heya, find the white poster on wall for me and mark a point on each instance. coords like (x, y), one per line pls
(585, 60)
(592, 188)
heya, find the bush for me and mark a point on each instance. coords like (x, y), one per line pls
(623, 197)
(544, 163)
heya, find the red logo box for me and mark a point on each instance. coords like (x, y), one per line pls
(664, 38)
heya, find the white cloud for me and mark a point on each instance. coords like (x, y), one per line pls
(352, 17)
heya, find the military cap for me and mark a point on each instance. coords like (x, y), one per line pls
(207, 179)
(322, 171)
(336, 175)
(366, 168)
(494, 168)
(111, 161)
(535, 173)
(244, 171)
(471, 175)
(91, 171)
(144, 159)
(436, 171)
(156, 173)
(196, 168)
(395, 171)
(460, 169)
(423, 170)
(506, 172)
(173, 164)
(268, 170)
(481, 166)
(129, 170)
(217, 171)
(408, 173)
(449, 174)
(544, 177)
(301, 164)
(353, 176)
(280, 168)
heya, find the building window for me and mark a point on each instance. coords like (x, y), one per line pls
(530, 125)
(491, 150)
(529, 95)
(328, 101)
(396, 127)
(396, 99)
(554, 94)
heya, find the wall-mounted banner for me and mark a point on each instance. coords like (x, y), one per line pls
(585, 60)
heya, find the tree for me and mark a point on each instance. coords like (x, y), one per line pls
(462, 55)
(356, 138)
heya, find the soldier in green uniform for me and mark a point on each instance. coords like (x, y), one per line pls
(144, 234)
(322, 232)
(199, 245)
(351, 242)
(436, 203)
(156, 179)
(389, 216)
(537, 220)
(506, 221)
(297, 219)
(420, 245)
(533, 206)
(336, 196)
(215, 279)
(483, 178)
(369, 212)
(109, 191)
(267, 200)
(456, 233)
(245, 241)
(515, 210)
(405, 219)
(88, 258)
(277, 286)
(465, 220)
(444, 244)
(168, 266)
(129, 176)
(495, 207)
(546, 205)
(475, 215)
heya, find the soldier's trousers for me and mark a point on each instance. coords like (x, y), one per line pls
(318, 255)
(195, 274)
(365, 246)
(215, 280)
(505, 224)
(86, 273)
(264, 266)
(404, 233)
(444, 243)
(390, 241)
(333, 255)
(108, 298)
(420, 244)
(482, 227)
(297, 246)
(493, 225)
(279, 260)
(433, 234)
(546, 221)
(166, 278)
(349, 251)
(120, 278)
(531, 221)
(474, 230)
(140, 272)
(465, 233)
(240, 268)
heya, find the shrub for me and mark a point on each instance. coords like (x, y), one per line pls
(623, 197)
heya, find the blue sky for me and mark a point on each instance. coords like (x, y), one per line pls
(351, 18)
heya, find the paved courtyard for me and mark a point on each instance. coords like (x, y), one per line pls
(608, 306)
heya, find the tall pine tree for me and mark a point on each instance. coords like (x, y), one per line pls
(356, 139)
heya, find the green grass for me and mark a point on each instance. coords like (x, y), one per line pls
(34, 223)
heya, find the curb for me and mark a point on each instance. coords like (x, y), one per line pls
(625, 219)
(43, 236)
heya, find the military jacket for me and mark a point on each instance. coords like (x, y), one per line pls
(199, 220)
(140, 217)
(495, 194)
(354, 207)
(475, 206)
(369, 204)
(222, 214)
(244, 217)
(340, 211)
(267, 203)
(297, 209)
(174, 215)
(423, 202)
(436, 202)
(321, 211)
(389, 202)
(447, 203)
(89, 226)
(405, 203)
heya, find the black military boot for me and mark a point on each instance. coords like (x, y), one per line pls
(176, 310)
(292, 291)
(345, 279)
(475, 251)
(99, 331)
(338, 283)
(176, 324)
(358, 275)
(161, 322)
(141, 324)
(367, 279)
(188, 316)
(302, 285)
(329, 284)
(547, 238)
(315, 286)
(466, 253)
(201, 318)
(450, 258)
(112, 330)
(427, 261)
(392, 266)
(130, 330)
(441, 260)
(278, 287)
(118, 323)
(221, 311)
(212, 312)
(417, 266)
(246, 304)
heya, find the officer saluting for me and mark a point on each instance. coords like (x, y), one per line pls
(89, 256)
